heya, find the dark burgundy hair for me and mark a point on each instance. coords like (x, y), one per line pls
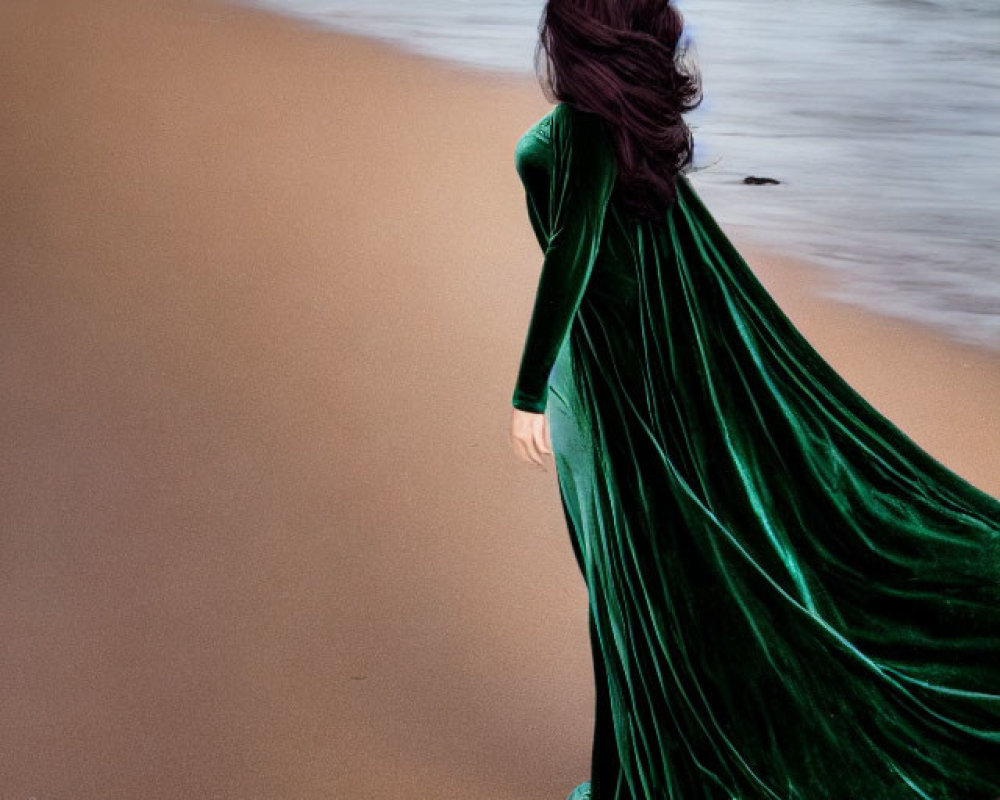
(621, 60)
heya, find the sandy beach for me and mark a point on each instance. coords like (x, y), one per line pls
(264, 290)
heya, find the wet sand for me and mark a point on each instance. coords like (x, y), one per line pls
(264, 291)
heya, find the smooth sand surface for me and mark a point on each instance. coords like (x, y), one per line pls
(263, 294)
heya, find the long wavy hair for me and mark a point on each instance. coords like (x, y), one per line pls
(623, 60)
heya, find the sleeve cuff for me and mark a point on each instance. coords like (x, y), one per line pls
(532, 403)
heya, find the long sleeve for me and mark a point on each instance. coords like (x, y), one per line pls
(582, 178)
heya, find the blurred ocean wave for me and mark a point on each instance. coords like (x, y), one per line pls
(881, 118)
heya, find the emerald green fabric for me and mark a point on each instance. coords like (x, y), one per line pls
(789, 597)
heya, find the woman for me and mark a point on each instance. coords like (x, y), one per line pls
(788, 597)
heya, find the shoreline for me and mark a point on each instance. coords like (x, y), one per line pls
(752, 241)
(265, 293)
(755, 240)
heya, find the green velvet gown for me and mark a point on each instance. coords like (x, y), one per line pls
(789, 598)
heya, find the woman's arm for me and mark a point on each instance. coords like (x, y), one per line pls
(582, 179)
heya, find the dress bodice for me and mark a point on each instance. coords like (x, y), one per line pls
(533, 161)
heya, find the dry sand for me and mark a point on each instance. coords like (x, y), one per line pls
(262, 298)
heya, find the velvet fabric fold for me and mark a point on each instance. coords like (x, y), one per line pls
(790, 599)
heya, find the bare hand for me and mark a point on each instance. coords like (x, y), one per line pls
(529, 436)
